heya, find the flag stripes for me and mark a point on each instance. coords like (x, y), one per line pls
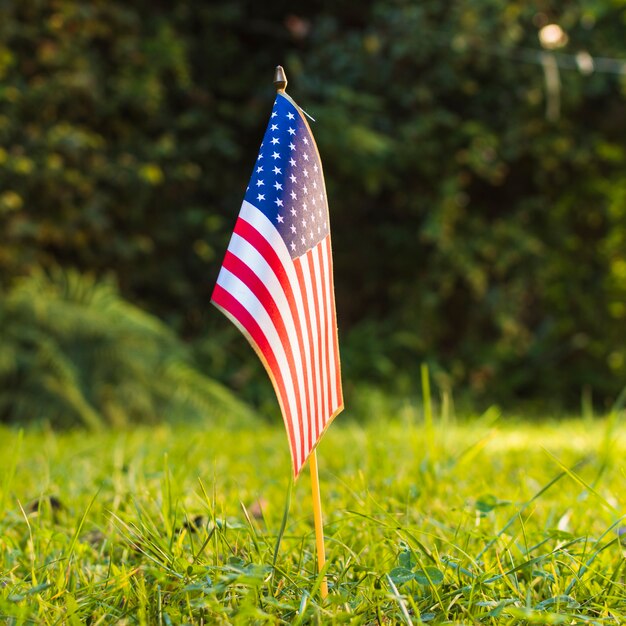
(249, 327)
(285, 307)
(312, 379)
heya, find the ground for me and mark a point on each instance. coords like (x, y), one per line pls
(480, 520)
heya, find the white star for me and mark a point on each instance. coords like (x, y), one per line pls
(290, 115)
(305, 156)
(315, 168)
(314, 184)
(291, 131)
(303, 223)
(305, 190)
(293, 245)
(259, 183)
(292, 162)
(260, 197)
(292, 178)
(278, 186)
(279, 218)
(278, 202)
(293, 195)
(320, 214)
(306, 141)
(303, 240)
(322, 197)
(291, 146)
(260, 156)
(274, 126)
(259, 169)
(311, 235)
(293, 228)
(275, 141)
(277, 170)
(293, 212)
(305, 206)
(306, 173)
(274, 114)
(319, 230)
(275, 155)
(325, 225)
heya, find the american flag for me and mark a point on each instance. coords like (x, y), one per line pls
(276, 282)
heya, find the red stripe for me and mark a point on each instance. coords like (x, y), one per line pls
(312, 428)
(229, 303)
(325, 296)
(321, 325)
(318, 363)
(235, 265)
(332, 327)
(334, 320)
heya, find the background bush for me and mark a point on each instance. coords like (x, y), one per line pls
(469, 229)
(73, 352)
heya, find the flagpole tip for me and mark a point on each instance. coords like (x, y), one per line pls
(280, 79)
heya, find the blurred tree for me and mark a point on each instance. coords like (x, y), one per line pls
(482, 226)
(490, 240)
(73, 352)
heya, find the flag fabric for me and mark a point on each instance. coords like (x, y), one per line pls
(276, 281)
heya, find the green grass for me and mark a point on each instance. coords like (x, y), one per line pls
(482, 521)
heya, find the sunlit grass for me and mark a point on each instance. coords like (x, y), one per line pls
(482, 521)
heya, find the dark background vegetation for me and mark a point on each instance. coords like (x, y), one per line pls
(471, 230)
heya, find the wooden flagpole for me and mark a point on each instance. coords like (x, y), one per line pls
(280, 82)
(319, 525)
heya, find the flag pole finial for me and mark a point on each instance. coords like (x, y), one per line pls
(280, 79)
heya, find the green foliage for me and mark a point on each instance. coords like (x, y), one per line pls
(179, 526)
(73, 352)
(492, 225)
(469, 229)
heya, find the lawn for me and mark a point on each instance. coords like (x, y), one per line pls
(482, 520)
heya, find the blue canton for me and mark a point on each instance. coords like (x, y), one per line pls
(287, 184)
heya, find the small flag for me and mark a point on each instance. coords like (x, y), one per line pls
(276, 281)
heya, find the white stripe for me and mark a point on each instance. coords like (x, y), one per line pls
(240, 291)
(263, 225)
(326, 270)
(251, 257)
(306, 271)
(259, 220)
(321, 312)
